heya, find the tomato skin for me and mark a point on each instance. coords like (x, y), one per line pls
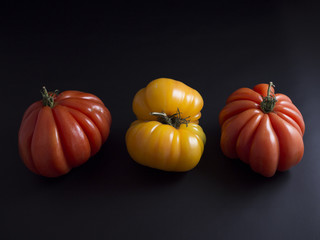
(54, 140)
(268, 142)
(162, 146)
(166, 95)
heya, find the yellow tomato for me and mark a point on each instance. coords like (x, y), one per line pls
(166, 135)
(167, 95)
(164, 147)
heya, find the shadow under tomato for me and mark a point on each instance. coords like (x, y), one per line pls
(120, 166)
(232, 174)
(113, 170)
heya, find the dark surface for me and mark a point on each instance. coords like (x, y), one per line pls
(112, 51)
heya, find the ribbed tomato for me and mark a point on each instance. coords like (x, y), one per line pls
(263, 129)
(164, 147)
(62, 131)
(166, 135)
(167, 95)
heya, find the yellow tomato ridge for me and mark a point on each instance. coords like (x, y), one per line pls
(190, 152)
(160, 142)
(175, 150)
(131, 137)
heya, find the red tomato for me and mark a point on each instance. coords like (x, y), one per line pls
(62, 131)
(263, 129)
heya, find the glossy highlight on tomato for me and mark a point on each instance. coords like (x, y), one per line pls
(263, 129)
(166, 135)
(62, 131)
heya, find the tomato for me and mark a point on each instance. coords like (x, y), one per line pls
(62, 131)
(166, 95)
(263, 129)
(166, 135)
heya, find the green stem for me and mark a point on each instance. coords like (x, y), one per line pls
(174, 120)
(269, 101)
(48, 97)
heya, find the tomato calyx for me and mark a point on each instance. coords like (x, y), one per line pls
(173, 120)
(269, 101)
(48, 97)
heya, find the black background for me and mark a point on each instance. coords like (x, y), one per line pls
(114, 49)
